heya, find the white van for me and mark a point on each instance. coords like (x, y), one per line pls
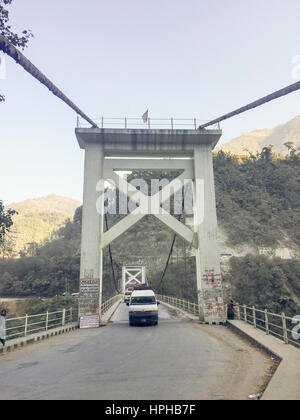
(143, 307)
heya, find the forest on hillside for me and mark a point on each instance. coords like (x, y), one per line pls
(258, 201)
(258, 197)
(35, 220)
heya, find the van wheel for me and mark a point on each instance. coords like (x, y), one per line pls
(132, 324)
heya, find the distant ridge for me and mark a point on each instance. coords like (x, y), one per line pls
(256, 140)
(38, 218)
(246, 142)
(53, 203)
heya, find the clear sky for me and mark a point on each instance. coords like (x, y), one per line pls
(192, 58)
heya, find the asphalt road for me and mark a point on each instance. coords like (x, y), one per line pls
(178, 359)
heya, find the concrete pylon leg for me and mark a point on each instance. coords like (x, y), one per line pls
(209, 282)
(143, 275)
(123, 279)
(92, 228)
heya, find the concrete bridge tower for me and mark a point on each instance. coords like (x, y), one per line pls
(187, 150)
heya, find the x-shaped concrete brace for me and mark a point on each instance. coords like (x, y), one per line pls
(151, 203)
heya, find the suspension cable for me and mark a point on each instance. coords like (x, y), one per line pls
(111, 259)
(169, 256)
(172, 245)
(8, 48)
(255, 104)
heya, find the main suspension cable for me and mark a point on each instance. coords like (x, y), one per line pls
(255, 104)
(8, 48)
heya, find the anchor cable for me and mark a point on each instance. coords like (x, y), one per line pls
(168, 260)
(111, 259)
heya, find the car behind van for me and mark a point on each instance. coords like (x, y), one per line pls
(143, 307)
(127, 296)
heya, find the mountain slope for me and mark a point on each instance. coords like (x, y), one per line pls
(257, 140)
(289, 132)
(247, 142)
(38, 218)
(51, 203)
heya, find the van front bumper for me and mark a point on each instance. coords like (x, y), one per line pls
(143, 317)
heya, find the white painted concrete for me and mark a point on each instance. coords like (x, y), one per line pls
(209, 283)
(92, 228)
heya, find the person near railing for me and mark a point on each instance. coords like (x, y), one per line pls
(230, 309)
(2, 326)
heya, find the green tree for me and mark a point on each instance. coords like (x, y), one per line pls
(293, 154)
(8, 247)
(6, 223)
(7, 285)
(18, 40)
(267, 154)
(30, 250)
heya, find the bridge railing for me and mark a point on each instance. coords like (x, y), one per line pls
(183, 304)
(280, 326)
(109, 303)
(151, 123)
(26, 325)
(31, 324)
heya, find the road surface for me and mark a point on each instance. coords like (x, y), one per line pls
(178, 359)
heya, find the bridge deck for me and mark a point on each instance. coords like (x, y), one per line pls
(178, 359)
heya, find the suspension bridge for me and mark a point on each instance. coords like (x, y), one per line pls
(185, 357)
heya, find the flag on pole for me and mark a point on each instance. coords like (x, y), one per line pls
(145, 116)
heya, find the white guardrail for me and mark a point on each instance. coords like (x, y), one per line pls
(280, 326)
(31, 324)
(109, 303)
(183, 304)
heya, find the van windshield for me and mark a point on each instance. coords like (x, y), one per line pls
(143, 300)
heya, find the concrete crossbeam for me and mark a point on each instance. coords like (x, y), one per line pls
(146, 164)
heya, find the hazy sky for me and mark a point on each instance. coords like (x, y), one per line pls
(192, 58)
